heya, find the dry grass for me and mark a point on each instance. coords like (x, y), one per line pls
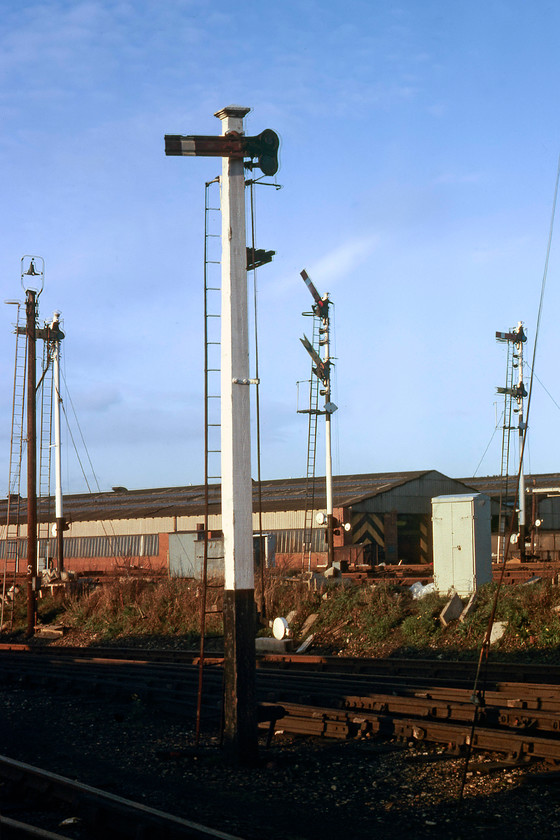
(354, 620)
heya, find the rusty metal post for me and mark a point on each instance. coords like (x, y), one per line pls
(31, 315)
(240, 713)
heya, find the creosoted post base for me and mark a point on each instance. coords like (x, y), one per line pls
(240, 730)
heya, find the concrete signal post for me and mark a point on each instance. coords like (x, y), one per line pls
(237, 494)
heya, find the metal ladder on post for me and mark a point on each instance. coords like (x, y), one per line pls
(212, 400)
(311, 457)
(506, 436)
(12, 547)
(46, 515)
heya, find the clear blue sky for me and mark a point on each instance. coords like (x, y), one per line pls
(419, 152)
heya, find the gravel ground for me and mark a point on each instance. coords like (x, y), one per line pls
(304, 789)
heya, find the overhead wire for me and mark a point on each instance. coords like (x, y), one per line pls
(489, 444)
(478, 695)
(111, 536)
(545, 389)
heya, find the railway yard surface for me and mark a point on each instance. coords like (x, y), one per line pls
(373, 742)
(305, 786)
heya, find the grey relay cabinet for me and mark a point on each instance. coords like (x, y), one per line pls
(462, 542)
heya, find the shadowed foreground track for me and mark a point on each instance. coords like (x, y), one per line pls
(99, 813)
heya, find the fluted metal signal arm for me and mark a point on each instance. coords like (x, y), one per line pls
(263, 147)
(516, 336)
(321, 370)
(518, 391)
(258, 257)
(321, 307)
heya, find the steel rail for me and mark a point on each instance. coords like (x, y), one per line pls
(345, 724)
(172, 687)
(124, 817)
(11, 829)
(512, 708)
(465, 669)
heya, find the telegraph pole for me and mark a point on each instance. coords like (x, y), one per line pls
(31, 317)
(32, 283)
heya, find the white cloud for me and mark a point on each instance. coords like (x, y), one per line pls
(342, 260)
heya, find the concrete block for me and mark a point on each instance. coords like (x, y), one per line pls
(49, 631)
(498, 630)
(264, 644)
(308, 623)
(305, 644)
(469, 608)
(451, 611)
(315, 581)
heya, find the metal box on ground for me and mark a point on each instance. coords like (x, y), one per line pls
(462, 542)
(186, 554)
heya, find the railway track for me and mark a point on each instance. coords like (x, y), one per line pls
(434, 668)
(97, 812)
(403, 700)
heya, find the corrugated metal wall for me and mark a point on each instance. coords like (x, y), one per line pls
(290, 541)
(271, 520)
(123, 545)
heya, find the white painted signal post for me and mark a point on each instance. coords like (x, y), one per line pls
(237, 492)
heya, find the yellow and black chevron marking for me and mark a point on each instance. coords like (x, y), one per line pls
(425, 543)
(368, 527)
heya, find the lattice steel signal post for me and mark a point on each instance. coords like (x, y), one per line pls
(322, 370)
(240, 725)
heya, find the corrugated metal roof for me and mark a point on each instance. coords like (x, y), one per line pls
(278, 494)
(492, 484)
